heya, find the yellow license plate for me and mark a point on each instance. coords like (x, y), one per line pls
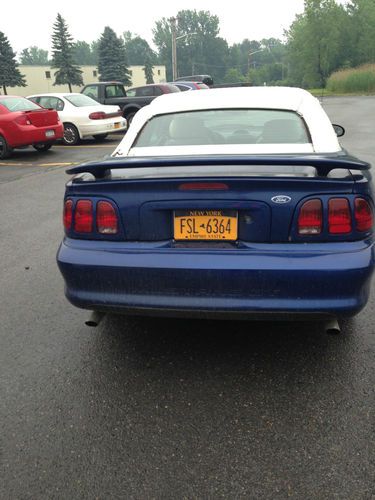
(205, 225)
(116, 125)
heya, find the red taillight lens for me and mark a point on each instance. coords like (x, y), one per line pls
(364, 219)
(68, 214)
(310, 218)
(22, 120)
(106, 218)
(339, 217)
(203, 186)
(83, 216)
(97, 115)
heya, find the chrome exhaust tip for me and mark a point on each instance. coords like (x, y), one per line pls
(95, 318)
(332, 327)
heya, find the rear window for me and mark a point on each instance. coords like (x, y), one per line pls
(114, 91)
(228, 126)
(19, 104)
(80, 100)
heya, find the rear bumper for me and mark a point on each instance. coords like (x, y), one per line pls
(29, 135)
(107, 126)
(276, 280)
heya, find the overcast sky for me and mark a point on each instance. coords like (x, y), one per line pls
(31, 23)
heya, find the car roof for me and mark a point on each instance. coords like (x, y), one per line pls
(288, 98)
(55, 94)
(12, 96)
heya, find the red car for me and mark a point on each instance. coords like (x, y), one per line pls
(24, 123)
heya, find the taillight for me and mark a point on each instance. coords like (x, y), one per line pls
(203, 186)
(97, 115)
(339, 217)
(68, 214)
(310, 220)
(83, 218)
(22, 120)
(364, 219)
(106, 218)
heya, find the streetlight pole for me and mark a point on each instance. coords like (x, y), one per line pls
(173, 22)
(174, 48)
(251, 53)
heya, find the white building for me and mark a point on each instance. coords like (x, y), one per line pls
(40, 79)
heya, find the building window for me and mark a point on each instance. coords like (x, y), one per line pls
(94, 73)
(158, 72)
(48, 75)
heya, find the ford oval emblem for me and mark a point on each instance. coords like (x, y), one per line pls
(281, 198)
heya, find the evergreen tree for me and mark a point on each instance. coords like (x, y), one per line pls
(112, 61)
(149, 70)
(63, 56)
(10, 75)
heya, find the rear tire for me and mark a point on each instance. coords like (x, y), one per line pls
(130, 117)
(42, 147)
(71, 135)
(5, 150)
(99, 137)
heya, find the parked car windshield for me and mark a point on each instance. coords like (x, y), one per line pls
(228, 126)
(80, 100)
(19, 104)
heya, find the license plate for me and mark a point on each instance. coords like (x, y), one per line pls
(117, 125)
(50, 133)
(205, 225)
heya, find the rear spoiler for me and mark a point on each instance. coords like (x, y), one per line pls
(323, 164)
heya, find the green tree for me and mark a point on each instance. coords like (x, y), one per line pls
(316, 42)
(112, 61)
(149, 70)
(239, 55)
(138, 50)
(361, 31)
(63, 56)
(199, 48)
(85, 53)
(10, 75)
(234, 75)
(34, 56)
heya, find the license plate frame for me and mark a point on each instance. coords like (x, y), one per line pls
(205, 225)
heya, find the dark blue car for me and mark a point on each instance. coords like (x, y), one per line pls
(224, 203)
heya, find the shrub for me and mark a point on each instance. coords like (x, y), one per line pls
(361, 79)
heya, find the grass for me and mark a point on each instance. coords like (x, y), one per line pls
(322, 92)
(359, 80)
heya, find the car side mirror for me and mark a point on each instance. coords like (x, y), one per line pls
(339, 130)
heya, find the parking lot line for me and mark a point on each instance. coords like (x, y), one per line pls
(87, 146)
(60, 164)
(16, 163)
(23, 164)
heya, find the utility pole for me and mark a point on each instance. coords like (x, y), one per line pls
(174, 48)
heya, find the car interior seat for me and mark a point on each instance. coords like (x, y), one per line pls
(190, 131)
(283, 131)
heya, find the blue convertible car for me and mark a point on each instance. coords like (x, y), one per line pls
(230, 202)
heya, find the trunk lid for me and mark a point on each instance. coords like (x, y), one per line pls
(42, 117)
(265, 196)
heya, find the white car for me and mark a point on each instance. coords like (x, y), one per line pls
(82, 116)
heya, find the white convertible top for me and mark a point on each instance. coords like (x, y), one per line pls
(324, 139)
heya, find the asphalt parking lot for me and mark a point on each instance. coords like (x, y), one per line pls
(159, 408)
(28, 161)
